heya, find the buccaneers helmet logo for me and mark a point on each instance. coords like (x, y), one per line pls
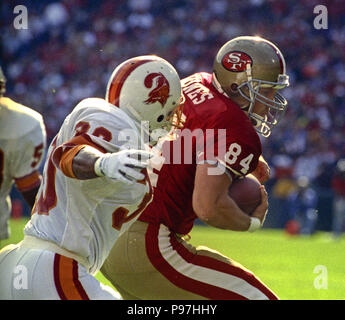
(161, 88)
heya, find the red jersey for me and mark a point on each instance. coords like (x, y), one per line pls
(215, 129)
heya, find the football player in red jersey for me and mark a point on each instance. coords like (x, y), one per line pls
(224, 112)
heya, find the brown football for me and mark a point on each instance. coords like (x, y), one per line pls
(246, 193)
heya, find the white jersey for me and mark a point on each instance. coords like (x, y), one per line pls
(86, 216)
(22, 145)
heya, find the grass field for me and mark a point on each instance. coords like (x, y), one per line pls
(291, 266)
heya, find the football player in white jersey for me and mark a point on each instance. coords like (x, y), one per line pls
(22, 146)
(95, 183)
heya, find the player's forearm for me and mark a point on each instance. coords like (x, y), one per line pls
(212, 204)
(223, 214)
(84, 162)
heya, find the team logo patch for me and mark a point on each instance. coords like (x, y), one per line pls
(236, 61)
(160, 88)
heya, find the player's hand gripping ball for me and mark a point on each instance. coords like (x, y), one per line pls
(246, 193)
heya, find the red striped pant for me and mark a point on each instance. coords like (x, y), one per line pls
(149, 262)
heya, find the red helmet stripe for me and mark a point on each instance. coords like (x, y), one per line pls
(119, 78)
(280, 58)
(281, 62)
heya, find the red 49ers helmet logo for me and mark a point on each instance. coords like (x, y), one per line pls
(161, 88)
(236, 61)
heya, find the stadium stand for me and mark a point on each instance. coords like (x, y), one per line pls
(68, 44)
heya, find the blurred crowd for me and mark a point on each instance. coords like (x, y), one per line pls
(71, 47)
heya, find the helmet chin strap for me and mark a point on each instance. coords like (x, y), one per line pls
(249, 79)
(257, 121)
(217, 85)
(248, 109)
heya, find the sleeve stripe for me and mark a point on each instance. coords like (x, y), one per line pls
(234, 171)
(229, 168)
(67, 160)
(64, 154)
(28, 182)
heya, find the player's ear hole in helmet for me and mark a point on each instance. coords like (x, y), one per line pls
(160, 118)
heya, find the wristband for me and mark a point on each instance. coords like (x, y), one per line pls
(97, 167)
(255, 224)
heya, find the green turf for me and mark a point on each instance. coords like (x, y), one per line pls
(290, 266)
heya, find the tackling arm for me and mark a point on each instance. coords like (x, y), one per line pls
(84, 162)
(213, 205)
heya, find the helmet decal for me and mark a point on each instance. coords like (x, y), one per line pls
(236, 61)
(161, 88)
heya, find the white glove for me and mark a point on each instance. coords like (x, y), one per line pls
(123, 165)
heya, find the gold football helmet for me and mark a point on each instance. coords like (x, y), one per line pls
(246, 64)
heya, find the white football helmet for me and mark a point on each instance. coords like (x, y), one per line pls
(148, 89)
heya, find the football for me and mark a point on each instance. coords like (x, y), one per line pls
(246, 193)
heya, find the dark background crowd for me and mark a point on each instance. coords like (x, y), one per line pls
(71, 47)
